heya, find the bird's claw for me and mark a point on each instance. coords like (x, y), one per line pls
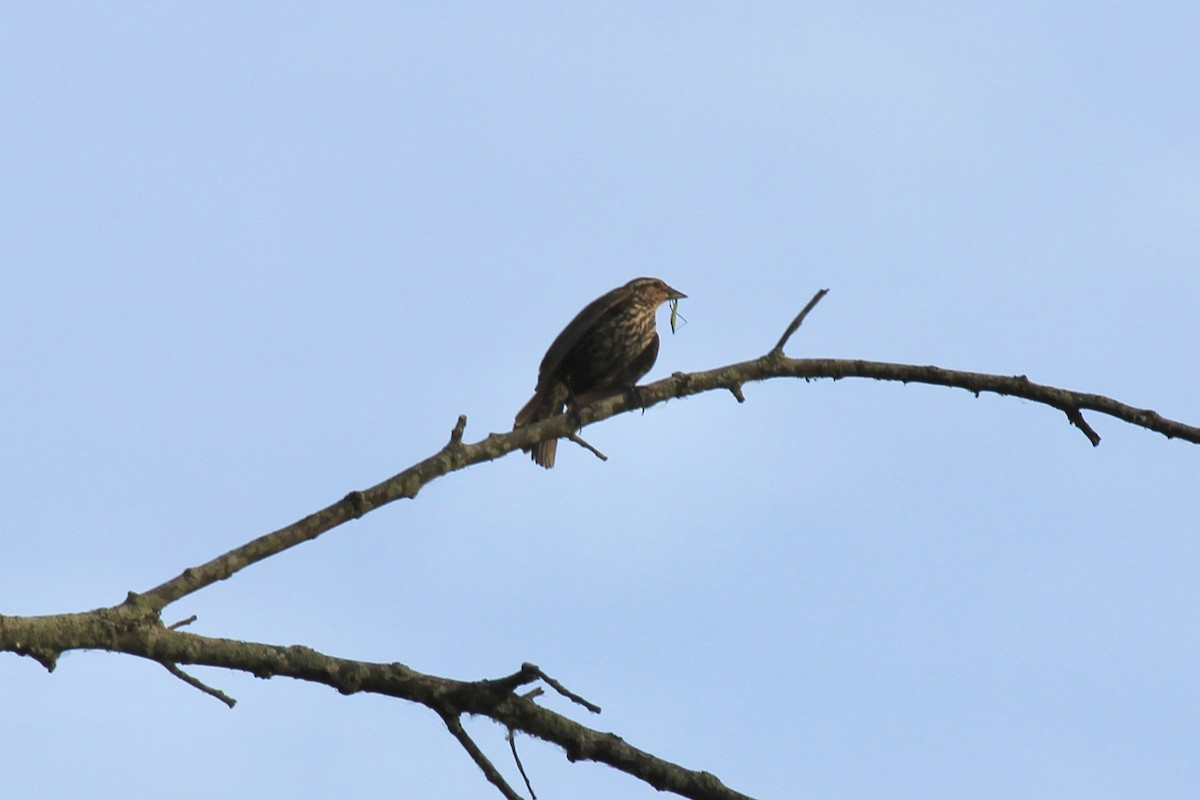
(635, 397)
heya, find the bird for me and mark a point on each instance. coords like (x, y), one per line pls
(609, 345)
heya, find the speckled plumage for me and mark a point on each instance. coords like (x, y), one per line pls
(609, 345)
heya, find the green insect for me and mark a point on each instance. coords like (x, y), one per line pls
(675, 315)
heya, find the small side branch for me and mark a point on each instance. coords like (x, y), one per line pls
(528, 673)
(198, 684)
(797, 321)
(459, 428)
(564, 691)
(579, 440)
(512, 743)
(1076, 418)
(454, 724)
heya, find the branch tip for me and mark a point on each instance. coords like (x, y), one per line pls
(778, 349)
(1076, 418)
(577, 439)
(565, 692)
(456, 435)
(198, 684)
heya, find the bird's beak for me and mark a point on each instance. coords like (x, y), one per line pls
(675, 294)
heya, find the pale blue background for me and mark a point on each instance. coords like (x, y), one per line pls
(253, 257)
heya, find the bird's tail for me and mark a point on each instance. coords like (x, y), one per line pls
(540, 407)
(525, 415)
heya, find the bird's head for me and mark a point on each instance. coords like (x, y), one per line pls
(654, 290)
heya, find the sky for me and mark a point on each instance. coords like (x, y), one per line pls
(255, 256)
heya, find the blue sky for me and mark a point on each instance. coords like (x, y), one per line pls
(256, 257)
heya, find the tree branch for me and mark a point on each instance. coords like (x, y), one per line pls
(783, 340)
(457, 455)
(512, 745)
(120, 629)
(135, 626)
(198, 684)
(454, 725)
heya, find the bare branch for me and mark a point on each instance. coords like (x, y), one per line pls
(127, 629)
(512, 743)
(558, 687)
(1076, 418)
(198, 684)
(459, 428)
(577, 439)
(135, 627)
(456, 455)
(798, 320)
(489, 769)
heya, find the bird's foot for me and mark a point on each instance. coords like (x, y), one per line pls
(635, 396)
(576, 417)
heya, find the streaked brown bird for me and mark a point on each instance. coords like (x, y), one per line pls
(604, 350)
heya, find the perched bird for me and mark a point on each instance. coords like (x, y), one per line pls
(605, 349)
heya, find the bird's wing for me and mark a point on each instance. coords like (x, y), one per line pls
(570, 335)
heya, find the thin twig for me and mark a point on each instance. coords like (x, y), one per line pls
(799, 319)
(198, 684)
(183, 622)
(577, 439)
(489, 769)
(459, 427)
(564, 691)
(512, 743)
(1078, 421)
